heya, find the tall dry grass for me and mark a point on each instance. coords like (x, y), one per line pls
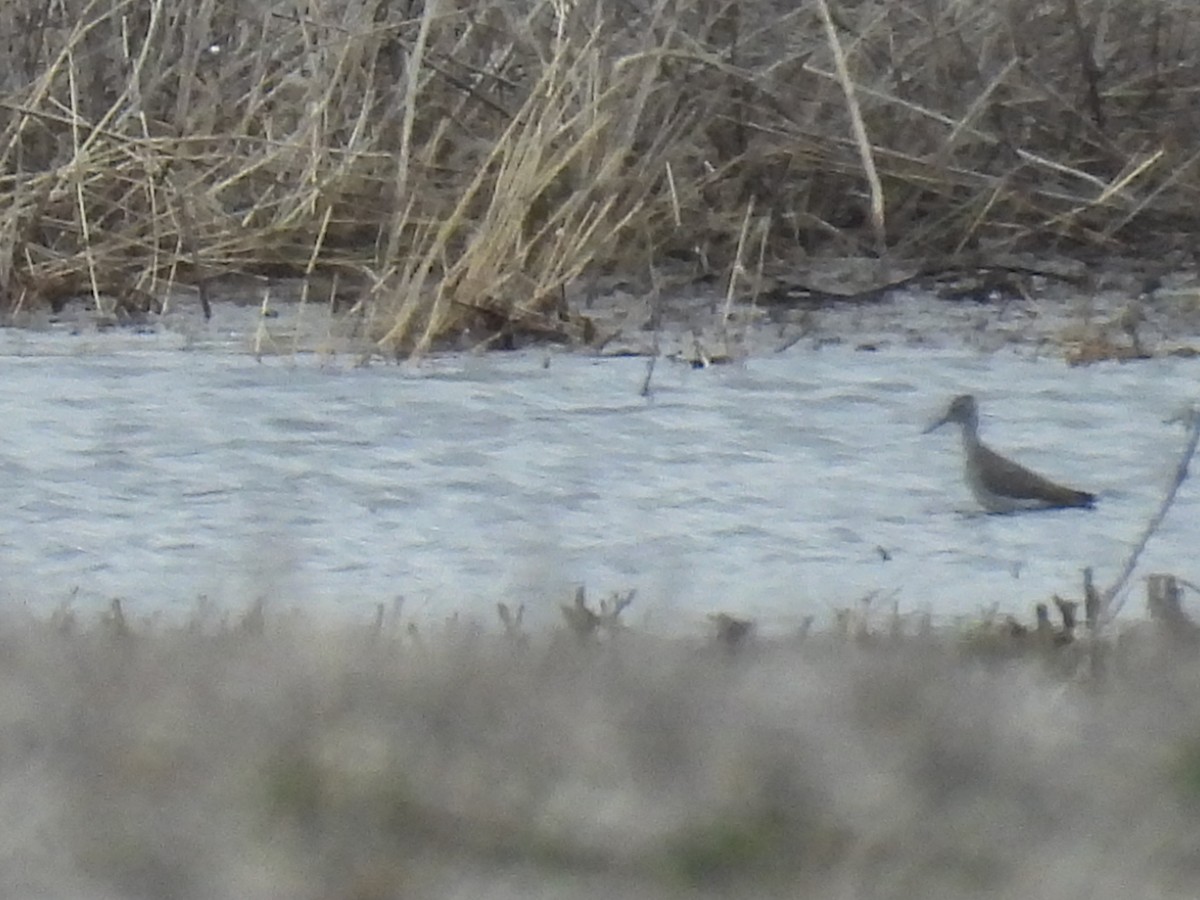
(462, 163)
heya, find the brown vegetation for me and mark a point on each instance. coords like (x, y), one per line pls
(462, 164)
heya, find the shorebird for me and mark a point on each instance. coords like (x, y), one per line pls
(1001, 485)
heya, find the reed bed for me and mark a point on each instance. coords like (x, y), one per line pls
(268, 755)
(461, 167)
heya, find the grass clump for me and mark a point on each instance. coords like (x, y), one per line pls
(764, 848)
(725, 849)
(465, 169)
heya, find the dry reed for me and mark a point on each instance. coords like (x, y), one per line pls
(463, 165)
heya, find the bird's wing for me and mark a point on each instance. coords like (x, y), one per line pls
(1007, 478)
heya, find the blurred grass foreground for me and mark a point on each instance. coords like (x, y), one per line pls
(277, 757)
(460, 165)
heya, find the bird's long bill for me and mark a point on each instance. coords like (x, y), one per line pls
(938, 423)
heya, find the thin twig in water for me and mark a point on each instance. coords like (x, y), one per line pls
(655, 325)
(737, 270)
(645, 392)
(260, 333)
(1111, 608)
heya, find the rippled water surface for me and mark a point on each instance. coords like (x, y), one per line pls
(773, 488)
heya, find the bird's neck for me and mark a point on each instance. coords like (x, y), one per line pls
(970, 436)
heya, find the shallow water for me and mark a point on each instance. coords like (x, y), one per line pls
(771, 488)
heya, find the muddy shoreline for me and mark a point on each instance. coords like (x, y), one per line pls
(1125, 310)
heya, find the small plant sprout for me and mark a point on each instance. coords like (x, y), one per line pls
(585, 622)
(115, 620)
(511, 621)
(730, 631)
